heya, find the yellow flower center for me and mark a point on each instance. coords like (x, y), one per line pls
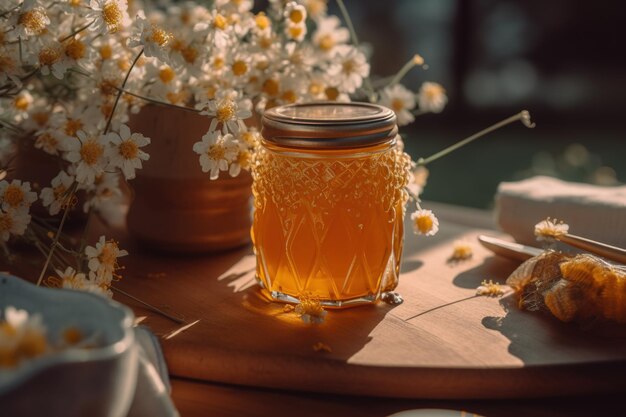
(289, 96)
(128, 149)
(271, 87)
(397, 105)
(218, 62)
(424, 223)
(316, 88)
(75, 49)
(220, 22)
(40, 118)
(244, 159)
(434, 91)
(249, 138)
(6, 222)
(327, 42)
(21, 103)
(175, 98)
(190, 54)
(159, 36)
(225, 111)
(112, 15)
(33, 344)
(59, 191)
(7, 329)
(91, 151)
(34, 20)
(49, 55)
(72, 126)
(240, 68)
(295, 32)
(216, 152)
(331, 93)
(262, 21)
(106, 52)
(296, 16)
(166, 74)
(46, 140)
(72, 335)
(108, 257)
(265, 42)
(106, 109)
(107, 87)
(74, 3)
(211, 90)
(348, 67)
(13, 196)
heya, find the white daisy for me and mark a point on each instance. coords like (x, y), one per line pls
(13, 222)
(70, 279)
(106, 189)
(216, 152)
(32, 19)
(125, 152)
(16, 195)
(152, 38)
(219, 30)
(10, 66)
(88, 154)
(109, 16)
(424, 222)
(102, 261)
(329, 34)
(432, 97)
(401, 101)
(22, 336)
(236, 6)
(55, 196)
(48, 141)
(227, 111)
(550, 229)
(348, 68)
(51, 60)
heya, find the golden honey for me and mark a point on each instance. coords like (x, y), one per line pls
(328, 220)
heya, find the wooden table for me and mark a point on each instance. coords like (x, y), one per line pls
(211, 347)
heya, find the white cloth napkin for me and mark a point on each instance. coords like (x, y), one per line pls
(152, 393)
(594, 212)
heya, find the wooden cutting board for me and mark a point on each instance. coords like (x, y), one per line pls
(440, 343)
(455, 346)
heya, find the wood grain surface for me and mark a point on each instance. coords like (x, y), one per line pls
(441, 343)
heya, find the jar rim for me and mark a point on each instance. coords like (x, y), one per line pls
(329, 125)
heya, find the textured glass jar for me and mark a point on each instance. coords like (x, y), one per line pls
(329, 203)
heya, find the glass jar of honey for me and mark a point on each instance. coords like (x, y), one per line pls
(329, 195)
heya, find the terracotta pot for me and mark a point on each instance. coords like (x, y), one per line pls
(176, 207)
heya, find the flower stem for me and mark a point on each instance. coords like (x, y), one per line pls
(119, 93)
(159, 102)
(149, 306)
(413, 62)
(355, 40)
(522, 116)
(77, 31)
(139, 96)
(68, 205)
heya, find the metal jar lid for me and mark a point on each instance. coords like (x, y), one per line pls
(329, 125)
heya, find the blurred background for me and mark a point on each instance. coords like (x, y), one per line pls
(562, 60)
